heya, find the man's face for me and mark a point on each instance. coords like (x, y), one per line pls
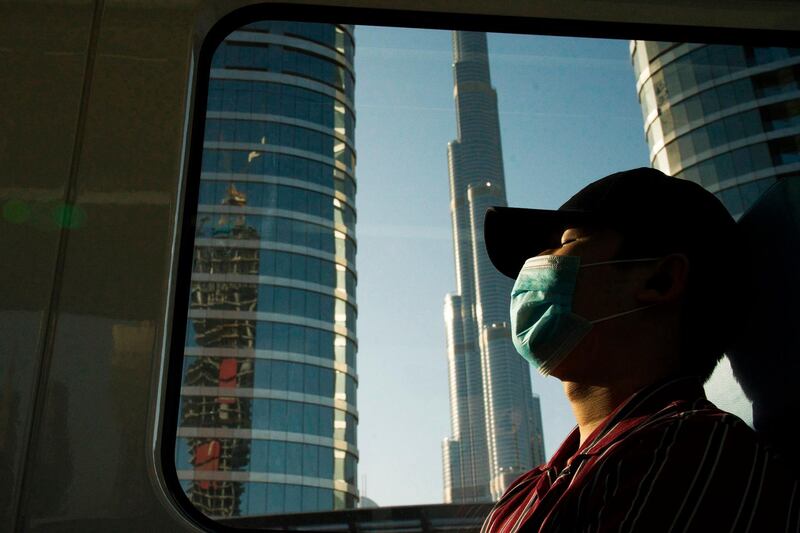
(592, 245)
(600, 291)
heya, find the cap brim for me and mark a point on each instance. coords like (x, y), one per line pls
(513, 235)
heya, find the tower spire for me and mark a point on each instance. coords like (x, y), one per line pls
(493, 415)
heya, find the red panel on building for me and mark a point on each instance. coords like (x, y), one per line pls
(228, 373)
(206, 457)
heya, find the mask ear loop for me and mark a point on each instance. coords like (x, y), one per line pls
(622, 313)
(622, 261)
(630, 310)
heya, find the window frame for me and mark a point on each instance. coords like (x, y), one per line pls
(167, 425)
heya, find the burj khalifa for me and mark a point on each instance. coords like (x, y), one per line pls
(495, 418)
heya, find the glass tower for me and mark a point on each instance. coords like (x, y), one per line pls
(268, 404)
(495, 420)
(726, 117)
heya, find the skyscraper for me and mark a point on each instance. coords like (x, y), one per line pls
(726, 117)
(495, 420)
(268, 404)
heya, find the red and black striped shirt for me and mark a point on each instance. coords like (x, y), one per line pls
(665, 460)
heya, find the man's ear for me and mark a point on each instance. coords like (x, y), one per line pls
(668, 280)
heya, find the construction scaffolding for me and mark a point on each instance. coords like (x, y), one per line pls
(215, 497)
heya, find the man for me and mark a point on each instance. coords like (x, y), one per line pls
(629, 294)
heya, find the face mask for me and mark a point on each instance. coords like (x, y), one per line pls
(544, 329)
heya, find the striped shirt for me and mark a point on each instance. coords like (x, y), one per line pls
(665, 460)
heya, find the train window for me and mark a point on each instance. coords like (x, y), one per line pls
(306, 402)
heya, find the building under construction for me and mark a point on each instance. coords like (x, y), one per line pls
(218, 379)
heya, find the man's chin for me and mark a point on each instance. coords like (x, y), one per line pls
(576, 367)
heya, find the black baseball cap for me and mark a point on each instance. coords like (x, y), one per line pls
(678, 214)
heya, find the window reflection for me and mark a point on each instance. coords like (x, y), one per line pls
(269, 371)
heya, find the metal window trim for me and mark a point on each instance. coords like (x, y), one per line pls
(263, 477)
(278, 149)
(284, 79)
(272, 355)
(723, 114)
(255, 393)
(281, 180)
(244, 35)
(281, 318)
(711, 153)
(277, 212)
(267, 434)
(281, 119)
(276, 246)
(681, 97)
(335, 292)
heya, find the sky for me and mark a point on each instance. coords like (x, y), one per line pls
(568, 115)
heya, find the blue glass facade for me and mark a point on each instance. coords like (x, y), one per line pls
(726, 117)
(268, 405)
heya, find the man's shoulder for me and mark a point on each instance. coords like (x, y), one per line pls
(694, 424)
(682, 467)
(688, 440)
(699, 412)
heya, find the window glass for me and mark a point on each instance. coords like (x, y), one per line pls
(750, 192)
(278, 415)
(275, 497)
(273, 386)
(278, 376)
(732, 200)
(785, 151)
(293, 502)
(296, 378)
(311, 419)
(295, 417)
(259, 454)
(310, 460)
(183, 460)
(326, 383)
(309, 496)
(311, 378)
(294, 458)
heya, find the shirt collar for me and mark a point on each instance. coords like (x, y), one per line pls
(638, 407)
(565, 452)
(628, 415)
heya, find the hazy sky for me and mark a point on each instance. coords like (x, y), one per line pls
(568, 115)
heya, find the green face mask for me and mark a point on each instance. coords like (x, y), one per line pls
(544, 329)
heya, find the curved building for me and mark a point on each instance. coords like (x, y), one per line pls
(268, 406)
(726, 117)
